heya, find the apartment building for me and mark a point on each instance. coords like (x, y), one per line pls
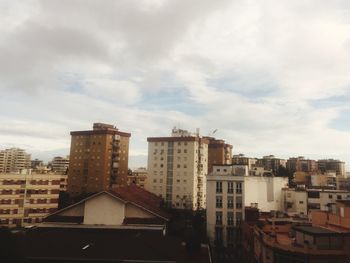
(225, 204)
(14, 160)
(270, 162)
(60, 164)
(26, 198)
(229, 190)
(302, 201)
(98, 159)
(240, 159)
(177, 169)
(138, 177)
(332, 165)
(300, 164)
(219, 152)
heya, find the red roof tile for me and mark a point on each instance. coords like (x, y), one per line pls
(140, 197)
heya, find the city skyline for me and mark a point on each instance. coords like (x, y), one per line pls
(270, 77)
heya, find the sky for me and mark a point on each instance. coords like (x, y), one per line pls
(272, 77)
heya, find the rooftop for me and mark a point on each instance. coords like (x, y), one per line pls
(314, 230)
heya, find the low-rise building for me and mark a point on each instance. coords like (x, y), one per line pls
(27, 198)
(302, 200)
(325, 239)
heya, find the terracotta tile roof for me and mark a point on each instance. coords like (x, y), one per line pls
(140, 197)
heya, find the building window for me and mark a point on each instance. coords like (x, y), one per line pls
(230, 202)
(185, 150)
(218, 236)
(330, 196)
(219, 187)
(230, 187)
(301, 202)
(179, 151)
(339, 197)
(230, 236)
(230, 218)
(178, 166)
(238, 188)
(313, 194)
(218, 201)
(238, 202)
(218, 218)
(238, 218)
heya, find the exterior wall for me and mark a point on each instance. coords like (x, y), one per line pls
(27, 198)
(265, 192)
(98, 160)
(74, 211)
(177, 168)
(135, 212)
(294, 201)
(104, 210)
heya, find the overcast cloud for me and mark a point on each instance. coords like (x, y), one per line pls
(271, 76)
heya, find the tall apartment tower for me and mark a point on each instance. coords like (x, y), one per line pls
(98, 159)
(14, 160)
(177, 169)
(219, 152)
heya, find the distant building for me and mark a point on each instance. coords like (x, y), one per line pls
(26, 198)
(14, 160)
(177, 169)
(229, 190)
(138, 177)
(272, 163)
(332, 165)
(98, 159)
(36, 163)
(240, 159)
(60, 164)
(300, 164)
(219, 152)
(302, 201)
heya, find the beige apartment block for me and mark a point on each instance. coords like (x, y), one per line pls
(14, 160)
(177, 169)
(26, 198)
(98, 159)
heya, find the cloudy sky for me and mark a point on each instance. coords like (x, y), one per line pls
(271, 76)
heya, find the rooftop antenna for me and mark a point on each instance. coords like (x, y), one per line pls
(212, 133)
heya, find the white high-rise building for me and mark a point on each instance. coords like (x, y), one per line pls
(14, 160)
(60, 164)
(177, 169)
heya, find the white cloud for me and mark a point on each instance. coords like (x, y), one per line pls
(253, 69)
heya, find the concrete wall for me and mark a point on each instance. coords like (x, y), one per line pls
(134, 211)
(104, 210)
(74, 211)
(265, 191)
